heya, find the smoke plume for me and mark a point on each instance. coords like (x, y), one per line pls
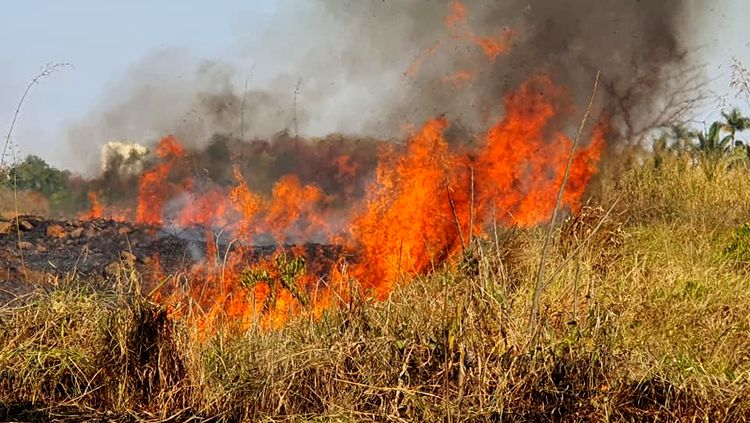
(371, 67)
(637, 45)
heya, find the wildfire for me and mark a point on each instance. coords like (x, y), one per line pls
(96, 211)
(425, 204)
(525, 162)
(459, 31)
(153, 184)
(408, 222)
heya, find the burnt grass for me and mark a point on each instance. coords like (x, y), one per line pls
(96, 250)
(644, 318)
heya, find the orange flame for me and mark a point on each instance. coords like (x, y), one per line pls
(205, 209)
(293, 206)
(419, 210)
(96, 211)
(153, 184)
(247, 203)
(408, 223)
(494, 46)
(413, 69)
(525, 168)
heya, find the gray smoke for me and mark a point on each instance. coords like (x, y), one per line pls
(343, 63)
(170, 93)
(639, 46)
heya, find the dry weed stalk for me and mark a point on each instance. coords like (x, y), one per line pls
(540, 285)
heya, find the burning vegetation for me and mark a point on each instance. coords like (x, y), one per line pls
(390, 277)
(418, 205)
(422, 208)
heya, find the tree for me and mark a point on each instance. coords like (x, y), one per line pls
(711, 143)
(715, 148)
(735, 122)
(34, 174)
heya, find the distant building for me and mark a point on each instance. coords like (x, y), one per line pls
(127, 157)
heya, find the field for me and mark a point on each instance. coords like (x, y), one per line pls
(644, 316)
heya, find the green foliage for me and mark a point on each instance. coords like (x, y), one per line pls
(65, 193)
(283, 274)
(736, 121)
(713, 148)
(711, 142)
(738, 249)
(34, 174)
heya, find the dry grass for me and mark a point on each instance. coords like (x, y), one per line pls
(28, 202)
(648, 321)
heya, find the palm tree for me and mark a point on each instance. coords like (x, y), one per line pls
(735, 122)
(711, 143)
(681, 137)
(712, 147)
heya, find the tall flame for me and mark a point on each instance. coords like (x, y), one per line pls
(419, 211)
(153, 185)
(408, 223)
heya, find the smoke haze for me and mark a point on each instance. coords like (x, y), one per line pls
(370, 67)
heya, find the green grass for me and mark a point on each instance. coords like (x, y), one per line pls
(648, 321)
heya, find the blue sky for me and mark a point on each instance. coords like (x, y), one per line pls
(102, 40)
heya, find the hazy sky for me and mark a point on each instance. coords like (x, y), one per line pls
(103, 40)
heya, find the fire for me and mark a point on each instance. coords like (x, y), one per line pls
(458, 79)
(425, 204)
(294, 208)
(458, 17)
(408, 223)
(419, 212)
(247, 203)
(413, 69)
(494, 46)
(153, 184)
(524, 166)
(205, 209)
(459, 30)
(457, 24)
(96, 211)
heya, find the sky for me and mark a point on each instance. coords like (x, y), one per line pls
(103, 40)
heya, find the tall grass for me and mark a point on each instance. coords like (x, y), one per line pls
(646, 320)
